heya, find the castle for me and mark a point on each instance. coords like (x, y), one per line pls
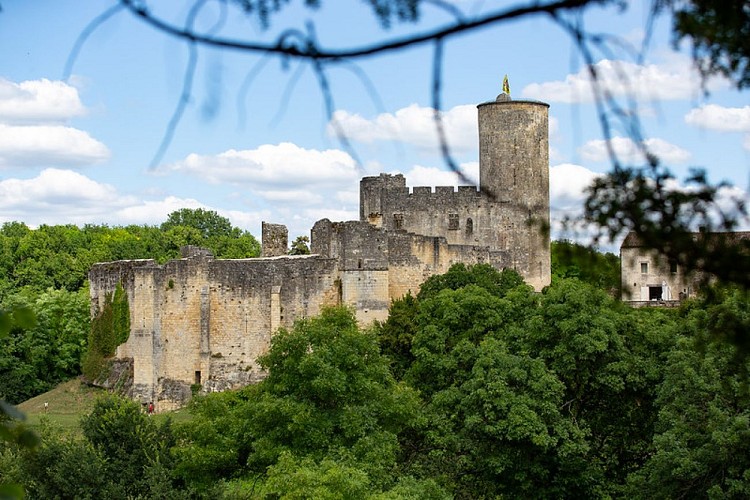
(202, 322)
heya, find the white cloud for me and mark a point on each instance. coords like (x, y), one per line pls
(58, 196)
(42, 145)
(32, 126)
(295, 186)
(349, 198)
(295, 196)
(673, 79)
(154, 212)
(38, 101)
(722, 119)
(719, 118)
(554, 127)
(567, 183)
(284, 165)
(433, 176)
(333, 214)
(627, 151)
(414, 125)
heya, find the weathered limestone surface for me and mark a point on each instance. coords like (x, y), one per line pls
(199, 323)
(275, 239)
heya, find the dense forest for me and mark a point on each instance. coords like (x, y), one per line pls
(475, 387)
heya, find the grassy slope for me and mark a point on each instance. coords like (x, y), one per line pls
(68, 402)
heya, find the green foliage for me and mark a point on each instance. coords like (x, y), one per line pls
(329, 388)
(109, 328)
(719, 32)
(300, 246)
(207, 223)
(122, 453)
(12, 429)
(34, 357)
(292, 477)
(497, 425)
(208, 229)
(43, 271)
(573, 260)
(701, 445)
(482, 275)
(503, 392)
(215, 442)
(396, 333)
(326, 421)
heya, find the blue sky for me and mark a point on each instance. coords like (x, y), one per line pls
(79, 150)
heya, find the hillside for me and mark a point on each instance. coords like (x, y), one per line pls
(66, 403)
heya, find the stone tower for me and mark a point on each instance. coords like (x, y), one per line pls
(514, 173)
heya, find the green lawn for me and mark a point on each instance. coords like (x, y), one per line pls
(70, 400)
(66, 403)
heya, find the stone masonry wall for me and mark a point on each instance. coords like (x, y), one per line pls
(275, 239)
(205, 321)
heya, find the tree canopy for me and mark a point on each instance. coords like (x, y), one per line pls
(477, 388)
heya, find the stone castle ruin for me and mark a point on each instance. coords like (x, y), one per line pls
(200, 323)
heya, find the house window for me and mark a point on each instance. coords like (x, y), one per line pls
(197, 377)
(398, 221)
(644, 267)
(453, 222)
(469, 226)
(673, 266)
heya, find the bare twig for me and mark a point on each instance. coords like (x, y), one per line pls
(85, 34)
(245, 88)
(437, 114)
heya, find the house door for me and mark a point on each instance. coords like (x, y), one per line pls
(655, 292)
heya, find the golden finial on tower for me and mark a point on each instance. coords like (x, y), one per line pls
(506, 85)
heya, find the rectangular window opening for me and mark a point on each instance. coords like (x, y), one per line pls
(197, 377)
(453, 222)
(644, 267)
(398, 221)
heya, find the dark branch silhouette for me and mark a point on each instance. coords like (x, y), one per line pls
(631, 198)
(312, 51)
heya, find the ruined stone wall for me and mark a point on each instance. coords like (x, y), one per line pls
(460, 216)
(204, 321)
(464, 218)
(378, 266)
(361, 253)
(275, 239)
